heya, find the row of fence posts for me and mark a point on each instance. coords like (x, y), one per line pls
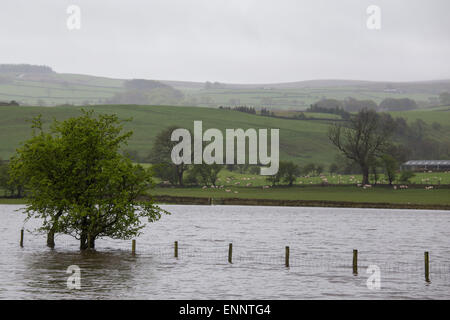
(286, 256)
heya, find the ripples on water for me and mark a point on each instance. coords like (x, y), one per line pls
(321, 241)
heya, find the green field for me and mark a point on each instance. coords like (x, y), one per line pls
(12, 201)
(343, 193)
(234, 178)
(301, 141)
(347, 193)
(54, 88)
(439, 115)
(292, 98)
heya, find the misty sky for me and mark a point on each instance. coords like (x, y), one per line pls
(239, 41)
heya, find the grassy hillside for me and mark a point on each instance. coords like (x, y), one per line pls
(439, 115)
(300, 140)
(294, 98)
(57, 89)
(52, 88)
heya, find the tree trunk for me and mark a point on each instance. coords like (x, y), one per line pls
(83, 241)
(91, 242)
(87, 241)
(51, 238)
(180, 175)
(52, 231)
(365, 173)
(375, 175)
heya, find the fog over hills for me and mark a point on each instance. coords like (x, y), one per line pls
(41, 85)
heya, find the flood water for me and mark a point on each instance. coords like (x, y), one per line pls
(321, 241)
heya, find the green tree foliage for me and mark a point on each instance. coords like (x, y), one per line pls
(204, 173)
(12, 186)
(11, 103)
(276, 178)
(79, 184)
(4, 177)
(25, 68)
(165, 172)
(161, 156)
(309, 168)
(289, 172)
(319, 169)
(406, 176)
(390, 167)
(331, 106)
(444, 98)
(334, 168)
(400, 104)
(355, 105)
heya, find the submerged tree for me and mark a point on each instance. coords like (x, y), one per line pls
(79, 183)
(365, 138)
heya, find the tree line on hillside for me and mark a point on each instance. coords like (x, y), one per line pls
(397, 139)
(203, 174)
(444, 98)
(371, 140)
(370, 143)
(355, 105)
(24, 68)
(11, 103)
(245, 109)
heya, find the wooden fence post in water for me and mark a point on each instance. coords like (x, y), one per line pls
(355, 261)
(21, 238)
(286, 262)
(230, 253)
(133, 246)
(427, 267)
(176, 249)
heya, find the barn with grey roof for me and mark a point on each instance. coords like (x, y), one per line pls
(426, 165)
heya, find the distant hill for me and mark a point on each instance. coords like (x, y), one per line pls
(24, 68)
(40, 85)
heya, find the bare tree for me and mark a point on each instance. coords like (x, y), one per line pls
(365, 137)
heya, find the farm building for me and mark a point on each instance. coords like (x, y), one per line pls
(426, 165)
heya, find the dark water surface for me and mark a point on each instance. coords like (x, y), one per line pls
(321, 241)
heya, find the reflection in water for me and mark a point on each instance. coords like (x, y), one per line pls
(103, 272)
(321, 242)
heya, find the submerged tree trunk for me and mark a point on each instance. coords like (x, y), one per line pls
(83, 241)
(51, 238)
(87, 241)
(52, 231)
(91, 242)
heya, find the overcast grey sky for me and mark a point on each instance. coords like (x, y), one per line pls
(240, 41)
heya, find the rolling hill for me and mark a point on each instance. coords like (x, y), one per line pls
(302, 141)
(35, 85)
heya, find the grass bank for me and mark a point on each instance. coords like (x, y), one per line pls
(329, 196)
(345, 195)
